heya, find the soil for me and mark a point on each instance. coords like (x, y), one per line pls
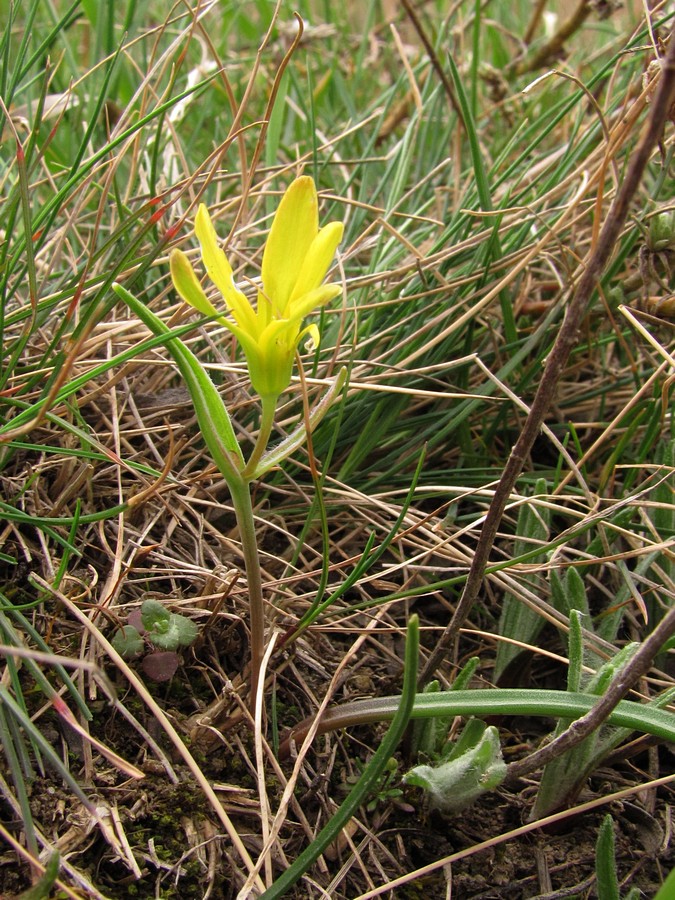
(174, 838)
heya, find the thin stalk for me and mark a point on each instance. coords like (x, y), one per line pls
(243, 508)
(433, 56)
(535, 19)
(269, 406)
(554, 47)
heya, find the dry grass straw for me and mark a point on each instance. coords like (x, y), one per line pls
(172, 531)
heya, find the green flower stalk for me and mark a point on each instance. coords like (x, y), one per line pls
(296, 257)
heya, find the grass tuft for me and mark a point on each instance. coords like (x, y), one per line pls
(474, 152)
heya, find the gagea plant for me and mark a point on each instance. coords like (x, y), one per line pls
(295, 261)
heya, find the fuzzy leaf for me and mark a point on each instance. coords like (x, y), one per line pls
(177, 632)
(165, 629)
(128, 642)
(605, 862)
(154, 615)
(457, 783)
(563, 777)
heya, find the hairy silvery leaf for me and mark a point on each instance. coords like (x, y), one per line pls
(457, 783)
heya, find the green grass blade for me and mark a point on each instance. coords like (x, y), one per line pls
(369, 777)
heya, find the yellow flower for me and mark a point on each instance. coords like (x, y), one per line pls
(295, 261)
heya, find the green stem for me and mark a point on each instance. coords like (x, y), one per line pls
(269, 405)
(243, 508)
(488, 702)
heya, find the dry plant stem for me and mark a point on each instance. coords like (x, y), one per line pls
(535, 19)
(276, 84)
(553, 48)
(558, 356)
(433, 58)
(308, 737)
(78, 877)
(638, 666)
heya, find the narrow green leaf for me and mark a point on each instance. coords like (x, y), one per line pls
(605, 862)
(214, 420)
(369, 777)
(507, 702)
(575, 652)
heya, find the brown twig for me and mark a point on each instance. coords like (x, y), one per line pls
(433, 57)
(553, 48)
(638, 666)
(558, 356)
(535, 19)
